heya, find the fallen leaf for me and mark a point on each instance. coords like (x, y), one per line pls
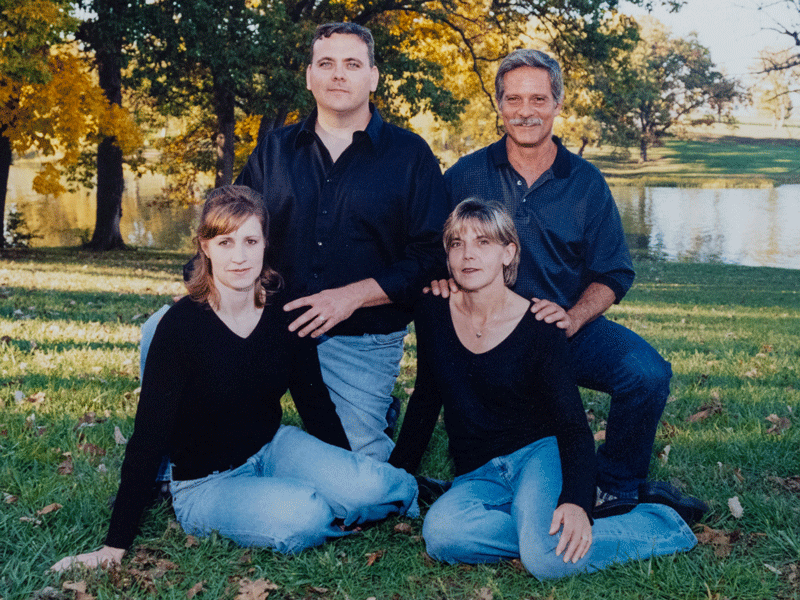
(88, 418)
(752, 373)
(663, 456)
(30, 520)
(790, 484)
(36, 398)
(374, 557)
(735, 507)
(720, 539)
(194, 590)
(8, 498)
(66, 467)
(773, 569)
(737, 472)
(706, 411)
(600, 436)
(49, 508)
(255, 590)
(779, 424)
(91, 449)
(318, 590)
(74, 586)
(408, 390)
(404, 528)
(118, 437)
(485, 594)
(190, 541)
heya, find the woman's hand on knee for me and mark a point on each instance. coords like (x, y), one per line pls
(576, 531)
(105, 557)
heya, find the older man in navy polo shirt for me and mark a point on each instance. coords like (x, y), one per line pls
(575, 265)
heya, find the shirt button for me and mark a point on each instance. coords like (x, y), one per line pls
(524, 199)
(316, 275)
(324, 212)
(519, 182)
(319, 243)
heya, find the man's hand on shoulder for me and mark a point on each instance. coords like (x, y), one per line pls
(442, 287)
(550, 312)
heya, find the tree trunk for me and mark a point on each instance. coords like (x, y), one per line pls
(5, 167)
(226, 130)
(270, 122)
(110, 179)
(643, 148)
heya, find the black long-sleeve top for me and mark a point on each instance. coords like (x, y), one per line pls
(211, 399)
(377, 212)
(497, 402)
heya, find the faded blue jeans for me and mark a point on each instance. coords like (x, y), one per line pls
(288, 494)
(503, 510)
(360, 372)
(613, 359)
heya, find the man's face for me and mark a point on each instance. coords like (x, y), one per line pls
(339, 75)
(528, 107)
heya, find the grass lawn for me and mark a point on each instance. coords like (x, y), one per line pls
(69, 328)
(746, 157)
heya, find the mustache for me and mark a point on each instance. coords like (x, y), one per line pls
(525, 122)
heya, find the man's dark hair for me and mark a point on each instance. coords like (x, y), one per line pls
(328, 29)
(530, 58)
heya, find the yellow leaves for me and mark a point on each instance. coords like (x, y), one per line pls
(62, 116)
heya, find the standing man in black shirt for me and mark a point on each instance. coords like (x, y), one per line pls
(357, 207)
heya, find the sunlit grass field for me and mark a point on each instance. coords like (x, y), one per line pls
(69, 330)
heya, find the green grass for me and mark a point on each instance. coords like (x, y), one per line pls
(722, 161)
(69, 325)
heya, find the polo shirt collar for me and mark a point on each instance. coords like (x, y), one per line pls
(560, 167)
(373, 131)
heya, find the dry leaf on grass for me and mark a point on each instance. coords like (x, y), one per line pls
(779, 424)
(790, 484)
(706, 410)
(194, 590)
(404, 528)
(255, 590)
(374, 557)
(49, 508)
(91, 449)
(66, 467)
(190, 541)
(600, 436)
(735, 507)
(118, 437)
(720, 539)
(485, 594)
(663, 456)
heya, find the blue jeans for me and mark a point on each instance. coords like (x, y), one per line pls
(360, 372)
(503, 510)
(611, 358)
(288, 494)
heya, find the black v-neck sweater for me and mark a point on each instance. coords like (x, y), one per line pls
(211, 399)
(499, 401)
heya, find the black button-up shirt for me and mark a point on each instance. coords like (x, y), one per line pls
(376, 212)
(568, 223)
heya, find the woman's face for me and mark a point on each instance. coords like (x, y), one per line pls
(476, 261)
(237, 258)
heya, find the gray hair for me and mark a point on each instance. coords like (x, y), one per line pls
(530, 58)
(328, 29)
(490, 219)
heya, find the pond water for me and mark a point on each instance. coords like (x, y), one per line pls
(754, 227)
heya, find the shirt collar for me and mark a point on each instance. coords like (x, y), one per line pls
(560, 166)
(373, 131)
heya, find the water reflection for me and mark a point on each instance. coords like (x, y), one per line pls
(69, 219)
(754, 227)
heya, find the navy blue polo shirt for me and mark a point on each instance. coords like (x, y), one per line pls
(568, 223)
